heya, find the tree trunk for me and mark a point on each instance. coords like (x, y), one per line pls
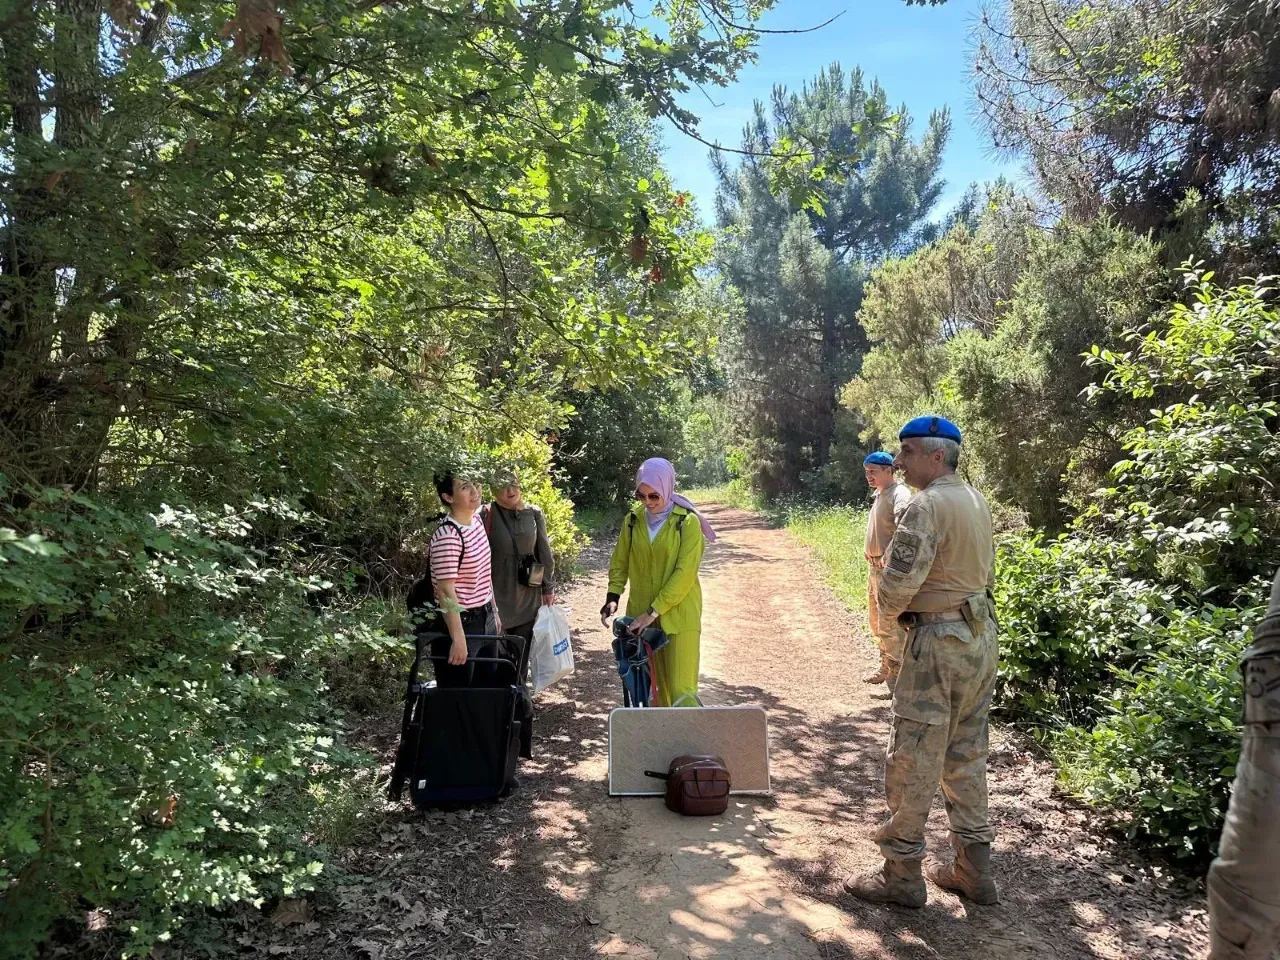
(26, 279)
(77, 72)
(826, 425)
(56, 405)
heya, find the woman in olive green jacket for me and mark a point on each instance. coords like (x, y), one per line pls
(658, 554)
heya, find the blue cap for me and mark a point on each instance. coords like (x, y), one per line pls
(929, 426)
(879, 457)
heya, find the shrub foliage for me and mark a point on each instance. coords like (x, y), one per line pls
(1121, 637)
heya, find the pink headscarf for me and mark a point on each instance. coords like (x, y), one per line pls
(661, 475)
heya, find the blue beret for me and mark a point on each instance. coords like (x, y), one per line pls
(930, 427)
(880, 457)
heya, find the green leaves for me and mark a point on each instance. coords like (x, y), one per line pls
(334, 247)
(1133, 108)
(1201, 461)
(157, 754)
(1128, 628)
(33, 543)
(362, 287)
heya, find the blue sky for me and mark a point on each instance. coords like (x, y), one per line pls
(920, 55)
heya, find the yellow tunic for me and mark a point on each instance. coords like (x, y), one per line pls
(663, 574)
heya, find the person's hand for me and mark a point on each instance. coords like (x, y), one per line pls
(640, 623)
(458, 653)
(549, 599)
(608, 610)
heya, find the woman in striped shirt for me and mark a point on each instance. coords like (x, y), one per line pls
(461, 574)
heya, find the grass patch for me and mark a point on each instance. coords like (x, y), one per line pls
(347, 817)
(736, 493)
(836, 535)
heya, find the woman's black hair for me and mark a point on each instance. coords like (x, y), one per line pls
(444, 485)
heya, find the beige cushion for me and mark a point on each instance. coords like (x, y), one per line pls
(649, 738)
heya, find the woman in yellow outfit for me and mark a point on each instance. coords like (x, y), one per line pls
(658, 553)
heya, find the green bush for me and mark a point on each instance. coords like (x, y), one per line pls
(1165, 749)
(531, 459)
(163, 704)
(1068, 617)
(612, 432)
(1119, 638)
(173, 697)
(1133, 685)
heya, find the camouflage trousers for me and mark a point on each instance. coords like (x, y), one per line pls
(939, 736)
(889, 635)
(1244, 880)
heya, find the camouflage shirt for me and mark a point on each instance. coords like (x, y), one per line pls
(942, 553)
(886, 513)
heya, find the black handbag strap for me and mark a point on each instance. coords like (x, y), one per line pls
(680, 519)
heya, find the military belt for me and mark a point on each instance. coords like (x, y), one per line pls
(913, 619)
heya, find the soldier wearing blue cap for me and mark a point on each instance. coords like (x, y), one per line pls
(936, 582)
(886, 512)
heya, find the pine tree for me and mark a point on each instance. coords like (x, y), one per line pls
(800, 262)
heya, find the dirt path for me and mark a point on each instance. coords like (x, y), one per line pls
(764, 881)
(561, 871)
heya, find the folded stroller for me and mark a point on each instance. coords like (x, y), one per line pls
(633, 654)
(460, 745)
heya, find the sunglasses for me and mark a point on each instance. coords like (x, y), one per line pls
(649, 497)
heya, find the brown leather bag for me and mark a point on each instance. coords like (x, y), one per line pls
(697, 785)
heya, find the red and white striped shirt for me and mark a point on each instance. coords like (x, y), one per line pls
(473, 578)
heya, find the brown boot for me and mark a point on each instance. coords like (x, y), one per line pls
(969, 874)
(898, 881)
(883, 674)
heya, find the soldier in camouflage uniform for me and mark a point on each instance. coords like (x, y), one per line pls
(938, 578)
(1244, 880)
(892, 499)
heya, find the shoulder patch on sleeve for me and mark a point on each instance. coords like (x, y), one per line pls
(905, 547)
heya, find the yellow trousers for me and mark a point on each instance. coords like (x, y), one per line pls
(675, 667)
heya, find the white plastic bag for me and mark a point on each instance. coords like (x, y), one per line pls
(552, 656)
